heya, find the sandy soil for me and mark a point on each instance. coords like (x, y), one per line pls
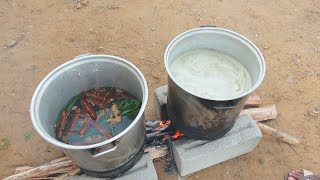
(37, 36)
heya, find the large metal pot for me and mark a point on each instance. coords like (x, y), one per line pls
(202, 118)
(108, 158)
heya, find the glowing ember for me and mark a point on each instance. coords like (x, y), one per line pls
(164, 123)
(177, 135)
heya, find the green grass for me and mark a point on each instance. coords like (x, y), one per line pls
(4, 144)
(28, 136)
(261, 160)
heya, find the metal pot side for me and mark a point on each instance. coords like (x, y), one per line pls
(80, 74)
(202, 118)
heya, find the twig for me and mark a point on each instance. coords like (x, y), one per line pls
(280, 145)
(278, 134)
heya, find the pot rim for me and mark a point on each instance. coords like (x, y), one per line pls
(225, 31)
(83, 58)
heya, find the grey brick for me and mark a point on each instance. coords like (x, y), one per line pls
(194, 155)
(144, 169)
(160, 102)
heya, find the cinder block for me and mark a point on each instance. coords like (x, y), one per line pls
(144, 169)
(194, 155)
(160, 102)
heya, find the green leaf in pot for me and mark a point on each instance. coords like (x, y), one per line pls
(129, 107)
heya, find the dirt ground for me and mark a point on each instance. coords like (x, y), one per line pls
(37, 36)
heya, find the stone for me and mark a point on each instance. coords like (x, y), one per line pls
(160, 102)
(144, 169)
(11, 43)
(78, 6)
(194, 155)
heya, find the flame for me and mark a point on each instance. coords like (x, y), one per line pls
(177, 135)
(164, 123)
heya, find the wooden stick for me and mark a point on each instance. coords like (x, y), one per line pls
(42, 178)
(262, 113)
(38, 171)
(26, 168)
(253, 101)
(45, 175)
(66, 158)
(22, 169)
(73, 172)
(278, 134)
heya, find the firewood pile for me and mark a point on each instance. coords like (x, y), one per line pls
(160, 135)
(56, 169)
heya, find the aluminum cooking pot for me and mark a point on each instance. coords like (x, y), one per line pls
(78, 75)
(202, 118)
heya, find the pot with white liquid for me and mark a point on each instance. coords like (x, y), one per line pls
(211, 72)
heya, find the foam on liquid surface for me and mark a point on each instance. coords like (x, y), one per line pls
(210, 74)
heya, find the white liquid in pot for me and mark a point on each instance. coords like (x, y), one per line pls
(210, 74)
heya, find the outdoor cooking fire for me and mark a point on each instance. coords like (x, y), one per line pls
(164, 123)
(160, 134)
(177, 135)
(167, 123)
(162, 130)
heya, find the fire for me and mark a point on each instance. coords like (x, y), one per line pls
(164, 123)
(177, 135)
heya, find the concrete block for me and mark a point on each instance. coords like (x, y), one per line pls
(194, 155)
(144, 169)
(160, 102)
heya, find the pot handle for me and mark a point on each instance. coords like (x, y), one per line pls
(223, 107)
(212, 105)
(115, 145)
